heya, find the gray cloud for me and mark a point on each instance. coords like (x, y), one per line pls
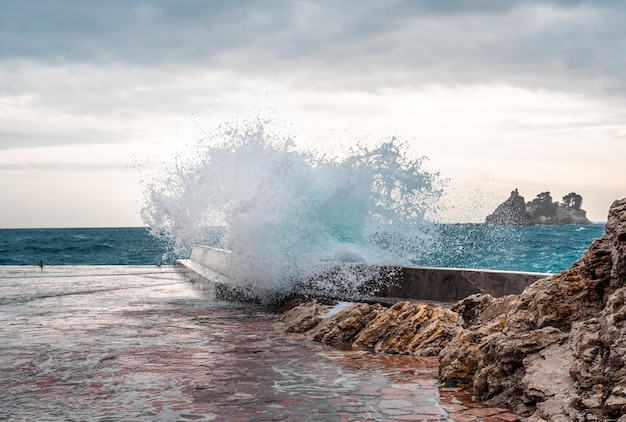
(64, 167)
(142, 32)
(581, 37)
(32, 137)
(561, 45)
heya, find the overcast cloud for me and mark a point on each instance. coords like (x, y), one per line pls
(568, 45)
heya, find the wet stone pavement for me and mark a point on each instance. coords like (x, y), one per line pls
(142, 344)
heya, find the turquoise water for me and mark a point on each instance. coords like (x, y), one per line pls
(535, 249)
(83, 246)
(543, 249)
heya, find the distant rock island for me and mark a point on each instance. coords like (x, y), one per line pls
(515, 211)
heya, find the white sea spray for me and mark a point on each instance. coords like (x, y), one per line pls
(293, 219)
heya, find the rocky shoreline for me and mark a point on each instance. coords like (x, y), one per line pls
(555, 352)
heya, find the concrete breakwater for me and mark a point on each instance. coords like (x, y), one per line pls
(213, 270)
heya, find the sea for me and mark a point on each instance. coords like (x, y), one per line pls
(541, 249)
(80, 246)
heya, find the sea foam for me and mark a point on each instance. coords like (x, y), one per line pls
(290, 215)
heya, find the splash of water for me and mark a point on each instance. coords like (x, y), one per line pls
(288, 215)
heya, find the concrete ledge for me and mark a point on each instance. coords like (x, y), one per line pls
(452, 284)
(212, 269)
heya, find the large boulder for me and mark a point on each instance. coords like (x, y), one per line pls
(341, 329)
(300, 319)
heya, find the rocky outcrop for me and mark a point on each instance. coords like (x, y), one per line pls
(540, 211)
(511, 212)
(556, 352)
(405, 328)
(303, 317)
(563, 215)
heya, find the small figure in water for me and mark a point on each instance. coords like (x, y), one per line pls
(41, 263)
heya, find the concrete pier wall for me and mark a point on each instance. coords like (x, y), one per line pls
(214, 267)
(452, 284)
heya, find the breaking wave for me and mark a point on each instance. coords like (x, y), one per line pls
(288, 214)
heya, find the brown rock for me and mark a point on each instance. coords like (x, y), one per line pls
(405, 328)
(303, 317)
(341, 329)
(460, 359)
(479, 309)
(616, 231)
(560, 353)
(410, 328)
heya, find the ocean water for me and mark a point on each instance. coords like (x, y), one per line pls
(289, 214)
(81, 246)
(544, 249)
(541, 249)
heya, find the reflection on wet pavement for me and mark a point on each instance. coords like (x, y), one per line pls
(160, 352)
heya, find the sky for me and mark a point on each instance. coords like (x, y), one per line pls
(497, 95)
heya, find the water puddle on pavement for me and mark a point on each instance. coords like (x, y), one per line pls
(167, 354)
